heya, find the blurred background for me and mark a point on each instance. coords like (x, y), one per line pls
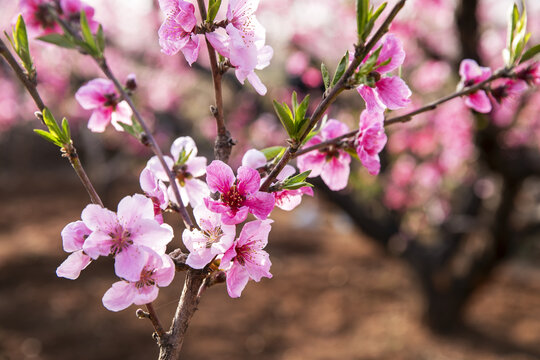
(436, 258)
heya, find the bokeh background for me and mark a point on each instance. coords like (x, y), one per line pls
(436, 258)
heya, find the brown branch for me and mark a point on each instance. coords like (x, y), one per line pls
(172, 341)
(69, 151)
(224, 143)
(152, 316)
(361, 51)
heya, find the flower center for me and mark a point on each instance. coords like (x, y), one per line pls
(110, 100)
(44, 17)
(146, 279)
(213, 236)
(121, 240)
(233, 198)
(182, 174)
(330, 151)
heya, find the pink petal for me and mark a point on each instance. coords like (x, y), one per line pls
(260, 267)
(287, 171)
(132, 209)
(119, 296)
(336, 172)
(196, 166)
(73, 236)
(237, 279)
(145, 295)
(99, 119)
(373, 104)
(334, 128)
(216, 206)
(206, 219)
(98, 244)
(261, 204)
(164, 275)
(249, 180)
(219, 42)
(129, 263)
(255, 234)
(393, 92)
(254, 159)
(186, 16)
(257, 84)
(71, 267)
(391, 48)
(196, 191)
(97, 218)
(471, 71)
(92, 95)
(219, 176)
(121, 114)
(151, 234)
(313, 161)
(478, 101)
(235, 217)
(155, 166)
(191, 49)
(371, 162)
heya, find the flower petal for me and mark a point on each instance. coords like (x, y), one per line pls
(71, 267)
(219, 176)
(119, 296)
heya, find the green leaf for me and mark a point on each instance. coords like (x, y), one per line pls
(130, 129)
(58, 40)
(371, 22)
(272, 152)
(285, 116)
(300, 119)
(529, 54)
(87, 35)
(100, 39)
(297, 178)
(51, 124)
(49, 137)
(20, 44)
(66, 130)
(213, 8)
(340, 69)
(362, 15)
(294, 101)
(325, 76)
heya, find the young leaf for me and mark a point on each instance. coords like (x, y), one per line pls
(87, 34)
(297, 178)
(213, 8)
(300, 119)
(130, 129)
(296, 186)
(66, 131)
(325, 76)
(272, 152)
(49, 137)
(529, 54)
(285, 116)
(100, 39)
(58, 40)
(362, 15)
(340, 69)
(51, 124)
(20, 44)
(372, 18)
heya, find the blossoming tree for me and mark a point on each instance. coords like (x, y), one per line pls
(227, 213)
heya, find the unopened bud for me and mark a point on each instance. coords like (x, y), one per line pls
(131, 83)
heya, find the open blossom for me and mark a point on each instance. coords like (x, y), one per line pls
(40, 22)
(471, 74)
(370, 140)
(331, 163)
(73, 237)
(246, 258)
(187, 167)
(126, 235)
(285, 199)
(238, 195)
(244, 42)
(156, 190)
(100, 96)
(388, 91)
(213, 238)
(176, 33)
(158, 271)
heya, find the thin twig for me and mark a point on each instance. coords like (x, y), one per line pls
(361, 52)
(223, 144)
(152, 316)
(69, 151)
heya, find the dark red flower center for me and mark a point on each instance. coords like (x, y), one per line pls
(146, 279)
(121, 240)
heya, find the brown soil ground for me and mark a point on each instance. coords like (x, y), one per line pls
(333, 296)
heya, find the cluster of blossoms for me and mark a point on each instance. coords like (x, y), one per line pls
(40, 21)
(242, 41)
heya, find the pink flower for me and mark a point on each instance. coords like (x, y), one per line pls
(371, 140)
(331, 163)
(156, 190)
(472, 74)
(187, 167)
(126, 235)
(529, 73)
(244, 42)
(73, 237)
(239, 196)
(176, 32)
(158, 271)
(246, 258)
(388, 91)
(285, 199)
(37, 17)
(100, 96)
(213, 238)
